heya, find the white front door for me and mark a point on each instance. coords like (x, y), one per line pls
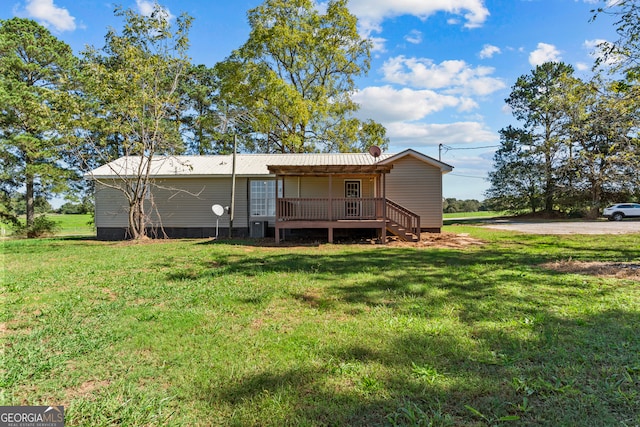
(352, 191)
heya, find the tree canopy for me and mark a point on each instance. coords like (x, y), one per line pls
(577, 147)
(36, 74)
(295, 75)
(535, 100)
(133, 102)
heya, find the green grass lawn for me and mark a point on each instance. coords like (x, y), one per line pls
(200, 333)
(483, 214)
(68, 225)
(74, 225)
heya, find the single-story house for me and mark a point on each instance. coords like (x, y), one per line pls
(278, 194)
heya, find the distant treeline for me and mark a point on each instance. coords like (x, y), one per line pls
(453, 205)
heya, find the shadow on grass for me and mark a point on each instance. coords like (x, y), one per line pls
(482, 328)
(525, 252)
(513, 357)
(582, 371)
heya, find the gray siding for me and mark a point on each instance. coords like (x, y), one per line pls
(182, 202)
(111, 207)
(418, 187)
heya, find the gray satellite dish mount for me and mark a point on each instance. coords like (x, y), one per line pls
(218, 211)
(375, 151)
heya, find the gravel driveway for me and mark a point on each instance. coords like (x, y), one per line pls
(568, 227)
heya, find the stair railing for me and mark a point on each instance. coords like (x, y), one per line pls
(402, 216)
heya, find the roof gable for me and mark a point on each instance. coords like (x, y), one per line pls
(444, 167)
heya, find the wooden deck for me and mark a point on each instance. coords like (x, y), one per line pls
(332, 213)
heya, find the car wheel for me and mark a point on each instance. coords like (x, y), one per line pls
(617, 216)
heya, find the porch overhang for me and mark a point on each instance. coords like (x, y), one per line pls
(333, 212)
(323, 170)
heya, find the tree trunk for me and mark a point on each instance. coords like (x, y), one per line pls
(132, 221)
(596, 192)
(31, 211)
(548, 184)
(136, 220)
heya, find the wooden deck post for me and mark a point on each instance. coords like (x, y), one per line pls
(330, 213)
(278, 208)
(384, 208)
(330, 204)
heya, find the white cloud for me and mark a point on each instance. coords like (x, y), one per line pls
(595, 45)
(544, 53)
(488, 51)
(425, 134)
(597, 49)
(454, 76)
(378, 44)
(51, 15)
(414, 37)
(371, 13)
(387, 105)
(581, 66)
(145, 7)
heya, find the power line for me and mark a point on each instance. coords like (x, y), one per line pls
(468, 176)
(448, 148)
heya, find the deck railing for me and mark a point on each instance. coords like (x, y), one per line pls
(338, 209)
(403, 217)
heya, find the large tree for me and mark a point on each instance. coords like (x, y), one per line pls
(200, 122)
(517, 182)
(296, 74)
(35, 77)
(624, 53)
(536, 100)
(133, 103)
(622, 59)
(604, 152)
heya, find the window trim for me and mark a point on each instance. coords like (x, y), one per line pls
(267, 199)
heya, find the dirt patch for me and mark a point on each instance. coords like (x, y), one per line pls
(566, 227)
(88, 388)
(143, 241)
(619, 270)
(438, 240)
(109, 294)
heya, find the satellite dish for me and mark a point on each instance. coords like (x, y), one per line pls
(218, 210)
(375, 151)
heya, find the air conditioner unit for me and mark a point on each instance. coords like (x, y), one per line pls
(258, 229)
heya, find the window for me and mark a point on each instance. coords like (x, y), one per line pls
(263, 197)
(147, 193)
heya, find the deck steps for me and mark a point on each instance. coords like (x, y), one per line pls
(397, 230)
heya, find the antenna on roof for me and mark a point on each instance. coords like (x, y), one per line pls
(375, 151)
(231, 118)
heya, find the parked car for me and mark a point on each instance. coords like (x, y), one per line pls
(622, 210)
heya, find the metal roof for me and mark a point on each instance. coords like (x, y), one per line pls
(246, 164)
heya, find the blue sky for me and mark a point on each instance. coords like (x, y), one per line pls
(440, 69)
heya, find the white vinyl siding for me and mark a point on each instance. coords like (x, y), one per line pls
(112, 209)
(184, 195)
(318, 186)
(180, 202)
(418, 187)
